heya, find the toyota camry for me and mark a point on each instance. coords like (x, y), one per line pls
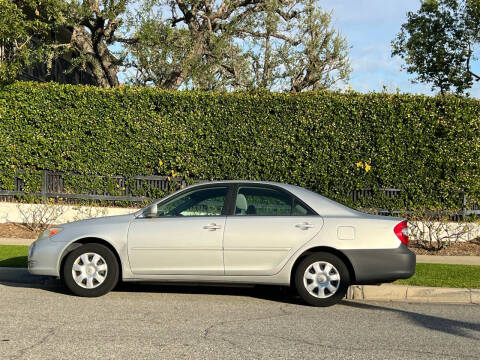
(248, 232)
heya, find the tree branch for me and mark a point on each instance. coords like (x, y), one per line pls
(286, 16)
(129, 41)
(470, 53)
(224, 11)
(275, 35)
(110, 29)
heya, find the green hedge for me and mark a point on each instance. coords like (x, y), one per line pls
(329, 142)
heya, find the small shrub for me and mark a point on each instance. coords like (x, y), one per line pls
(38, 217)
(433, 229)
(88, 212)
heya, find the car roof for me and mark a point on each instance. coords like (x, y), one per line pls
(240, 182)
(292, 188)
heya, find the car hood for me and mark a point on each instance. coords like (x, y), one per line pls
(109, 228)
(104, 220)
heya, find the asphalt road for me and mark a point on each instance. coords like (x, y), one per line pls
(181, 322)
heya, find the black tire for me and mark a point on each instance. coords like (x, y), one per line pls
(112, 273)
(343, 284)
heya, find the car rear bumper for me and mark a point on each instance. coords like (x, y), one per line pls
(375, 266)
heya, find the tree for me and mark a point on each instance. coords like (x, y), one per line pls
(438, 42)
(25, 27)
(94, 25)
(85, 30)
(96, 30)
(237, 44)
(201, 44)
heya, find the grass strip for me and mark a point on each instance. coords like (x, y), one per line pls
(13, 256)
(444, 275)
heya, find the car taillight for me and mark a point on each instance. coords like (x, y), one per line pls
(401, 230)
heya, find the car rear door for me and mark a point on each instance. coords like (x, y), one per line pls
(267, 226)
(185, 238)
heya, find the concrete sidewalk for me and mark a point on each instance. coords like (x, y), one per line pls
(461, 260)
(15, 241)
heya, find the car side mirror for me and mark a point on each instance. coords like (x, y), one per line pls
(151, 211)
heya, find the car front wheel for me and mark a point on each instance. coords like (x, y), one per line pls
(91, 270)
(322, 279)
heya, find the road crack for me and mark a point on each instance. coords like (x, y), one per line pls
(21, 352)
(351, 348)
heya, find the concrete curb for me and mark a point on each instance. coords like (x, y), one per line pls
(21, 275)
(407, 293)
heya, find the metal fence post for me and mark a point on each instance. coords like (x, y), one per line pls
(44, 185)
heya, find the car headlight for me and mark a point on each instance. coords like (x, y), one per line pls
(49, 233)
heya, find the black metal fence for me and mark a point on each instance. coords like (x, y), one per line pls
(53, 185)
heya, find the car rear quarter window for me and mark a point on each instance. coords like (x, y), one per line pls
(300, 210)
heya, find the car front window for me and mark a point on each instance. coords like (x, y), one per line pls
(202, 202)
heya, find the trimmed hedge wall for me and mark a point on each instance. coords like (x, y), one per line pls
(329, 142)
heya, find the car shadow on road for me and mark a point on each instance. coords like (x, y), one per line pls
(452, 327)
(264, 292)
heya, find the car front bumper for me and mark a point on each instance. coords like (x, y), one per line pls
(43, 257)
(375, 266)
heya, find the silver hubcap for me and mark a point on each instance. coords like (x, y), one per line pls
(89, 270)
(321, 279)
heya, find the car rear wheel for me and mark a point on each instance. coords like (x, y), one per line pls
(322, 279)
(91, 270)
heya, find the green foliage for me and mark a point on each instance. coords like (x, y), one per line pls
(438, 42)
(36, 32)
(25, 33)
(329, 142)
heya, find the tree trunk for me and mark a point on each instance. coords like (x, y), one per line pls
(174, 80)
(97, 57)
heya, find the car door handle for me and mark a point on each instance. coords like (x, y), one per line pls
(212, 227)
(305, 226)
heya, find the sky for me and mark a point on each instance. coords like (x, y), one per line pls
(370, 26)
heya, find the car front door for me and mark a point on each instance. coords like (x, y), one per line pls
(267, 227)
(185, 237)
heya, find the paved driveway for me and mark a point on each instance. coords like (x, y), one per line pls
(181, 322)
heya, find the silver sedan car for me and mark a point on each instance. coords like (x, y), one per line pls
(247, 232)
